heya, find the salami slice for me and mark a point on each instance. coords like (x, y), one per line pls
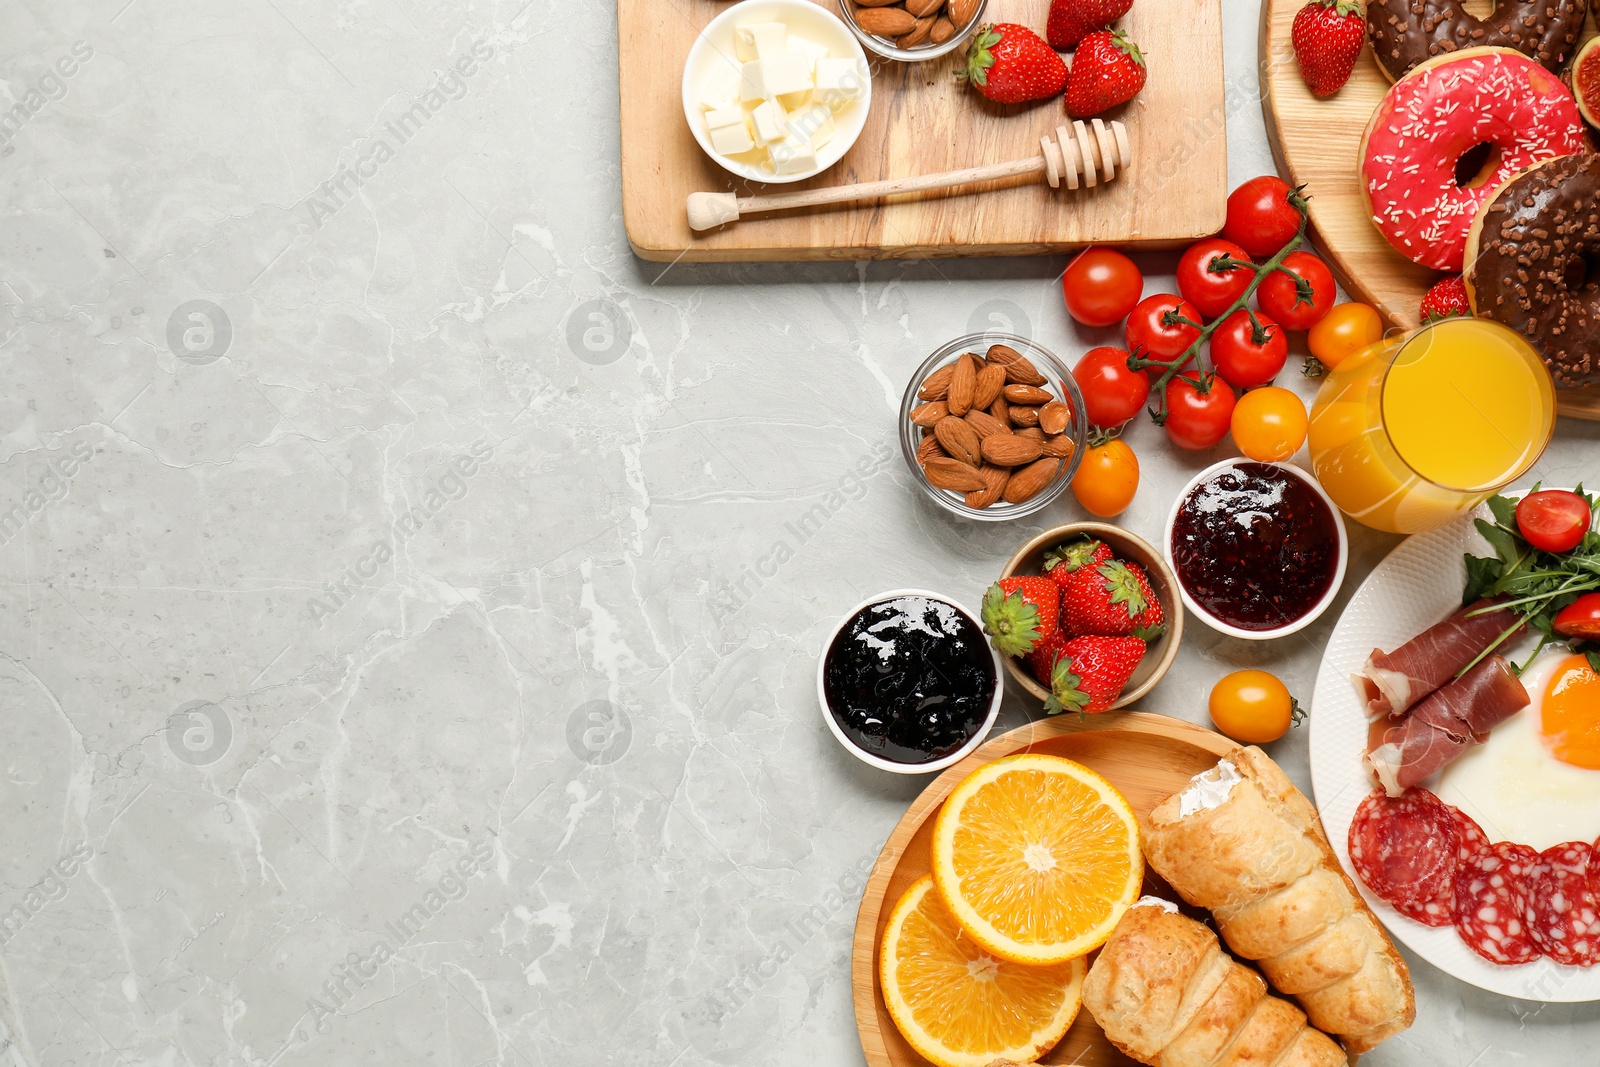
(1470, 838)
(1562, 910)
(1438, 910)
(1491, 902)
(1404, 848)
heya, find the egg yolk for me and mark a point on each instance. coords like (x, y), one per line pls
(1569, 713)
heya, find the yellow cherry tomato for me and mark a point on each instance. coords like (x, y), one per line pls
(1253, 707)
(1107, 479)
(1345, 330)
(1269, 424)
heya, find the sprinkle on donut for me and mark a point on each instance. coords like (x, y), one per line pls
(1408, 33)
(1529, 265)
(1438, 114)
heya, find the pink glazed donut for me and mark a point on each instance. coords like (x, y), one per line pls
(1440, 112)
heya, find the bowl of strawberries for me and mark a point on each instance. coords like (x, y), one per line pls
(1087, 617)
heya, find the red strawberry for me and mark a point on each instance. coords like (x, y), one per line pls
(1328, 36)
(1110, 600)
(1147, 624)
(1020, 612)
(1446, 299)
(1009, 64)
(1107, 70)
(1063, 561)
(1091, 673)
(1042, 660)
(1073, 20)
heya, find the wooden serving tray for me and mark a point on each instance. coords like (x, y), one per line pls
(1148, 757)
(923, 122)
(1317, 143)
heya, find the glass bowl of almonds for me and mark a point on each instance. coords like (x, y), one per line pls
(992, 426)
(911, 31)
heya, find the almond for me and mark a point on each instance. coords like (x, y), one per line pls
(962, 11)
(936, 386)
(954, 475)
(983, 424)
(1009, 450)
(885, 21)
(1028, 394)
(958, 439)
(875, 3)
(991, 379)
(943, 30)
(1059, 446)
(1018, 368)
(923, 8)
(919, 33)
(1021, 416)
(929, 413)
(929, 449)
(1055, 417)
(1025, 483)
(963, 383)
(1001, 410)
(1032, 433)
(995, 479)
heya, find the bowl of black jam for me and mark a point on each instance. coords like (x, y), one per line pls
(908, 683)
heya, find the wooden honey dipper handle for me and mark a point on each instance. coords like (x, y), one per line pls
(1079, 155)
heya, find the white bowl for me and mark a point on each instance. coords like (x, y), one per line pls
(878, 761)
(715, 45)
(1282, 631)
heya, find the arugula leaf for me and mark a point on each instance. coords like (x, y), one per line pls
(1481, 576)
(1500, 539)
(1594, 660)
(1504, 510)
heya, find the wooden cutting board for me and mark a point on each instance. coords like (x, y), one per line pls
(1317, 143)
(1147, 757)
(922, 122)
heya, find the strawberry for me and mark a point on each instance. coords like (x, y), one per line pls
(1107, 70)
(1063, 561)
(1020, 612)
(1010, 64)
(1073, 20)
(1042, 660)
(1110, 600)
(1147, 624)
(1446, 299)
(1091, 673)
(1328, 36)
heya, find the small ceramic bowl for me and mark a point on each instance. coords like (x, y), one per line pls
(878, 761)
(1161, 652)
(886, 47)
(1060, 382)
(713, 51)
(1282, 631)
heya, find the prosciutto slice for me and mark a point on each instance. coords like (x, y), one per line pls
(1391, 682)
(1447, 723)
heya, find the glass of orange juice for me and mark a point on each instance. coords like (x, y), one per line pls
(1415, 430)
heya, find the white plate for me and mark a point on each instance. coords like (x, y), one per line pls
(1416, 585)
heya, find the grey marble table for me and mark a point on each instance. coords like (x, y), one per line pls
(409, 600)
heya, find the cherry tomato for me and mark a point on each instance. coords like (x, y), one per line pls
(1197, 420)
(1279, 297)
(1101, 286)
(1253, 707)
(1150, 337)
(1269, 425)
(1107, 478)
(1345, 330)
(1581, 618)
(1213, 292)
(1260, 218)
(1554, 520)
(1112, 394)
(1244, 358)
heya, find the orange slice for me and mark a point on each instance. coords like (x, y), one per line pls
(959, 1006)
(1037, 857)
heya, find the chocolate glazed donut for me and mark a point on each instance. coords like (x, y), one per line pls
(1531, 263)
(1405, 33)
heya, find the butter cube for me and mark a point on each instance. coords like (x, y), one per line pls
(771, 122)
(732, 115)
(839, 81)
(803, 46)
(795, 101)
(816, 122)
(761, 40)
(720, 86)
(794, 154)
(775, 77)
(732, 140)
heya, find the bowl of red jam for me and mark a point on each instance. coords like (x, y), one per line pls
(908, 683)
(1258, 549)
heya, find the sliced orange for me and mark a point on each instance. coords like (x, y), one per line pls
(1037, 857)
(959, 1006)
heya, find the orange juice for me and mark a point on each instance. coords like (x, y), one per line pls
(1416, 430)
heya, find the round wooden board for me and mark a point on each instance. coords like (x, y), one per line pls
(1317, 143)
(1148, 757)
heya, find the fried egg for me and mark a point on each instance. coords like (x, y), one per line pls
(1537, 778)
